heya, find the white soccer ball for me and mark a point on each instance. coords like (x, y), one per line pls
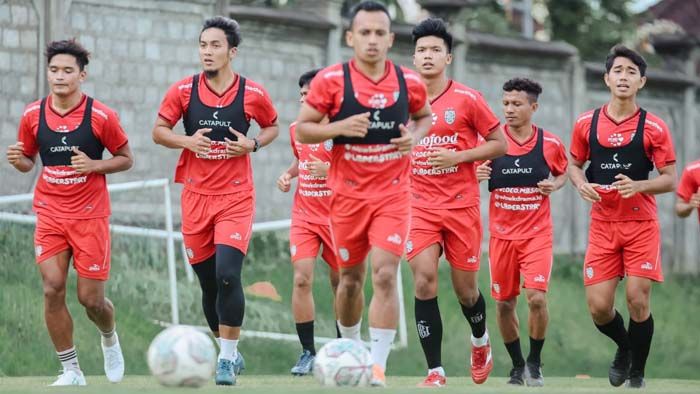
(343, 362)
(182, 356)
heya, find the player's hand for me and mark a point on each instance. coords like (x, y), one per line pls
(483, 171)
(695, 199)
(588, 192)
(626, 186)
(317, 167)
(546, 187)
(355, 126)
(199, 142)
(441, 158)
(240, 147)
(15, 153)
(405, 142)
(284, 182)
(81, 163)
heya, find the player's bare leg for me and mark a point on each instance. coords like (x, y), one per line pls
(641, 327)
(538, 318)
(350, 300)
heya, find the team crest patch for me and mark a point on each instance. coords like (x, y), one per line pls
(450, 116)
(190, 253)
(496, 288)
(409, 246)
(328, 145)
(589, 272)
(38, 249)
(344, 254)
(293, 250)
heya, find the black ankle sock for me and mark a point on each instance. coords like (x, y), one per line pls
(476, 316)
(615, 330)
(535, 350)
(640, 335)
(429, 325)
(306, 336)
(516, 354)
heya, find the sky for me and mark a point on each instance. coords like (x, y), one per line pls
(641, 5)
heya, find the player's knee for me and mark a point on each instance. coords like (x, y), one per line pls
(54, 291)
(91, 303)
(506, 307)
(468, 296)
(638, 305)
(302, 281)
(426, 286)
(384, 279)
(537, 301)
(601, 311)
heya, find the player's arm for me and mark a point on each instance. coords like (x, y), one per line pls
(578, 179)
(685, 208)
(244, 145)
(495, 145)
(311, 129)
(549, 186)
(163, 134)
(16, 157)
(664, 183)
(284, 181)
(121, 160)
(416, 129)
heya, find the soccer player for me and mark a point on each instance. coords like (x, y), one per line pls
(218, 199)
(688, 190)
(70, 131)
(520, 224)
(445, 201)
(623, 143)
(310, 230)
(368, 101)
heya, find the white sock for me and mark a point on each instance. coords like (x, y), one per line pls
(479, 342)
(110, 338)
(229, 349)
(352, 332)
(439, 370)
(380, 346)
(69, 359)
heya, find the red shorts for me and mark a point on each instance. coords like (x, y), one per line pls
(88, 240)
(358, 224)
(509, 259)
(305, 240)
(457, 230)
(616, 249)
(225, 219)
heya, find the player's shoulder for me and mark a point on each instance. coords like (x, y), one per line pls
(551, 138)
(183, 84)
(255, 89)
(330, 73)
(693, 167)
(411, 76)
(102, 110)
(584, 119)
(32, 109)
(457, 89)
(655, 124)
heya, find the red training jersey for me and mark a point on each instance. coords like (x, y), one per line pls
(216, 176)
(507, 217)
(658, 146)
(312, 197)
(366, 171)
(690, 181)
(460, 116)
(60, 191)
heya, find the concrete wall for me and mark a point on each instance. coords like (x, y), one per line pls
(141, 47)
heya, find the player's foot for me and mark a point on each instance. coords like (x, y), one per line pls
(516, 376)
(305, 364)
(533, 375)
(636, 380)
(113, 361)
(238, 364)
(378, 378)
(619, 369)
(70, 377)
(482, 363)
(434, 379)
(224, 373)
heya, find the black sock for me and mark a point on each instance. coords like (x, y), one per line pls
(306, 336)
(429, 325)
(615, 330)
(476, 316)
(337, 330)
(640, 335)
(535, 351)
(516, 355)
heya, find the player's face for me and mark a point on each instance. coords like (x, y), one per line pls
(214, 53)
(64, 75)
(430, 56)
(624, 78)
(302, 93)
(517, 108)
(370, 37)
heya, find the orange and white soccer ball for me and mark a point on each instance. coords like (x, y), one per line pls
(343, 362)
(182, 356)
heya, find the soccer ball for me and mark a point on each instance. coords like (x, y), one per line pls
(182, 356)
(343, 362)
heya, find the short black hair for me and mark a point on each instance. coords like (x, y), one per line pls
(432, 27)
(622, 51)
(532, 88)
(68, 47)
(368, 6)
(228, 25)
(305, 78)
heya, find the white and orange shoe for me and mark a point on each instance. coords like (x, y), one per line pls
(378, 377)
(434, 380)
(482, 362)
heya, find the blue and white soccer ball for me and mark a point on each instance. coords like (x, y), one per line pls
(182, 356)
(343, 362)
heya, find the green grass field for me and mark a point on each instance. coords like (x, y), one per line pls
(283, 384)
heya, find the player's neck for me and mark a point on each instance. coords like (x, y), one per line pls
(621, 108)
(521, 133)
(220, 81)
(373, 71)
(436, 85)
(63, 104)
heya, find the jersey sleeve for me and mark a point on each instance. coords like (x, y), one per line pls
(417, 92)
(481, 117)
(111, 134)
(172, 107)
(580, 149)
(292, 140)
(659, 145)
(258, 105)
(321, 92)
(555, 155)
(687, 186)
(27, 129)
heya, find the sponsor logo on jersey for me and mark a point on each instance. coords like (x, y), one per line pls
(94, 268)
(616, 139)
(539, 278)
(394, 239)
(434, 118)
(472, 260)
(438, 140)
(647, 266)
(236, 236)
(378, 100)
(377, 122)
